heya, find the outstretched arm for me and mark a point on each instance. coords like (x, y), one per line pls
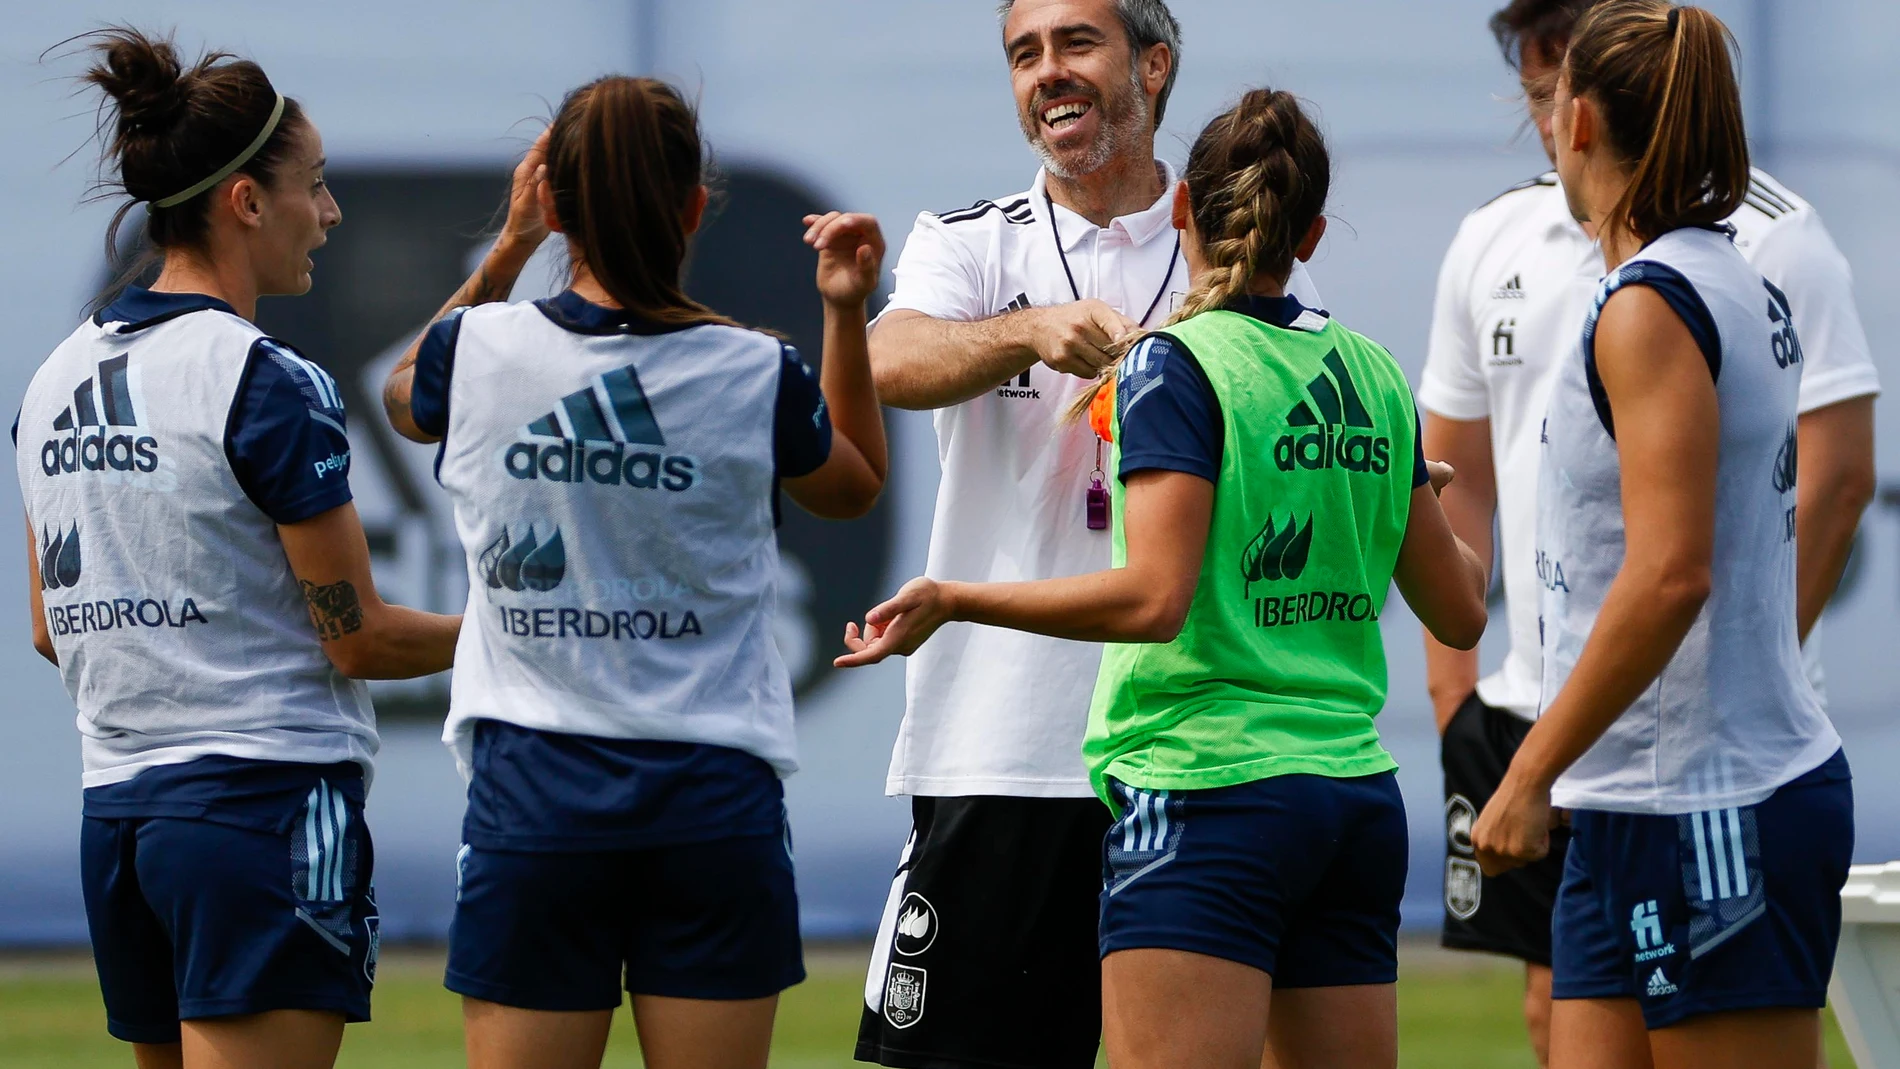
(1165, 522)
(493, 281)
(1470, 505)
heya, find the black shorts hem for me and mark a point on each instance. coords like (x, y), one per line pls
(131, 1033)
(514, 998)
(354, 1010)
(878, 1054)
(1501, 947)
(682, 987)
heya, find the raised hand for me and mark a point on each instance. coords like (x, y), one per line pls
(527, 225)
(897, 627)
(1075, 339)
(850, 255)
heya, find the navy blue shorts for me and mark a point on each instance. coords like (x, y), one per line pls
(556, 931)
(1297, 876)
(195, 917)
(1728, 909)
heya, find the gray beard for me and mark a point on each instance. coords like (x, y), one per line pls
(1116, 137)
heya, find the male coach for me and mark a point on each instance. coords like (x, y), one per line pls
(987, 955)
(1512, 296)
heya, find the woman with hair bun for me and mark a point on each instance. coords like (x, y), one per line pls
(1710, 803)
(201, 579)
(1270, 490)
(614, 455)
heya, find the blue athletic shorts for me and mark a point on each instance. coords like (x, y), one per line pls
(1728, 909)
(1297, 876)
(263, 904)
(556, 931)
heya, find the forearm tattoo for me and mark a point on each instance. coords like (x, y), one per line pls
(335, 610)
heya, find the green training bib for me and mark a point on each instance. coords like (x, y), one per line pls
(1280, 667)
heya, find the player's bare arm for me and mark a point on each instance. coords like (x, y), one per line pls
(924, 363)
(1166, 522)
(492, 281)
(363, 635)
(850, 253)
(1835, 484)
(1470, 506)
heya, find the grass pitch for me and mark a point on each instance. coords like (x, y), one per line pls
(1456, 1011)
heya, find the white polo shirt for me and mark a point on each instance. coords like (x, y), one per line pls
(1513, 292)
(989, 710)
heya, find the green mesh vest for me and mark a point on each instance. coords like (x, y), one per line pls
(1280, 667)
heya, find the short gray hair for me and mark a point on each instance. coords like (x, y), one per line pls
(1147, 23)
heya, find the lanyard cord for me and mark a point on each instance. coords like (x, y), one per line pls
(1077, 290)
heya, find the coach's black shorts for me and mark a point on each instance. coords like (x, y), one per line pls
(987, 955)
(1508, 914)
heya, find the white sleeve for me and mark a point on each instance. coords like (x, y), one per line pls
(1453, 383)
(1801, 259)
(936, 275)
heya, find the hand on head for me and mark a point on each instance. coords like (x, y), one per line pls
(850, 255)
(527, 225)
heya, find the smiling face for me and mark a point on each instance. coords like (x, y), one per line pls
(295, 212)
(1080, 96)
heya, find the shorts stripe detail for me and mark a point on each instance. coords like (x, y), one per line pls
(339, 945)
(1161, 821)
(1719, 856)
(1735, 851)
(312, 849)
(1702, 857)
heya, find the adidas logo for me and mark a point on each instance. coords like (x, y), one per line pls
(524, 565)
(587, 439)
(1333, 441)
(59, 558)
(1511, 290)
(1019, 386)
(1659, 984)
(103, 402)
(1276, 554)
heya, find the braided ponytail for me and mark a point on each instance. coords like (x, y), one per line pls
(1257, 178)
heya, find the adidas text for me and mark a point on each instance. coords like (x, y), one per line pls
(607, 464)
(98, 452)
(1323, 448)
(1659, 985)
(590, 624)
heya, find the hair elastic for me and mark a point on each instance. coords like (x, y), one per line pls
(224, 172)
(1675, 18)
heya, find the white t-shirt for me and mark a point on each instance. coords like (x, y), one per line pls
(989, 710)
(1513, 292)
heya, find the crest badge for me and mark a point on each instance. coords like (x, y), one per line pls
(904, 996)
(1463, 887)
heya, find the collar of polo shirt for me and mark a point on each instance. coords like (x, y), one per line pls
(1154, 221)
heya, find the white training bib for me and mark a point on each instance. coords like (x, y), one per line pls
(1732, 716)
(614, 494)
(180, 628)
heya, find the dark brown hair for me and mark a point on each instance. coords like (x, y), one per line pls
(1663, 78)
(1257, 179)
(168, 126)
(1544, 25)
(624, 159)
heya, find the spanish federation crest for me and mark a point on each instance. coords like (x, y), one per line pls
(1463, 887)
(904, 996)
